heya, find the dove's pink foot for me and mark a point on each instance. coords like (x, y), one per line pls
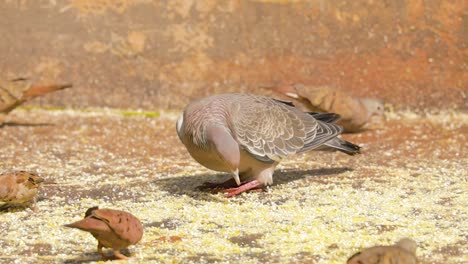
(119, 255)
(243, 188)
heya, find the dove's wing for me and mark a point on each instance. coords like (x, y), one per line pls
(271, 129)
(124, 225)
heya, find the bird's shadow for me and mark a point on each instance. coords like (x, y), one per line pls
(27, 124)
(193, 185)
(86, 257)
(89, 257)
(290, 175)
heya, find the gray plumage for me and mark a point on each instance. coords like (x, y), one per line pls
(248, 135)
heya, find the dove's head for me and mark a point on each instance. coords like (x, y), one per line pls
(190, 128)
(200, 114)
(407, 244)
(35, 179)
(374, 107)
(91, 210)
(191, 124)
(31, 180)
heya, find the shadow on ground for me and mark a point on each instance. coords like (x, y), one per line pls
(20, 124)
(193, 185)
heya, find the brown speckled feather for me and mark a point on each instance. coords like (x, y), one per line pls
(112, 228)
(403, 252)
(11, 94)
(16, 92)
(18, 187)
(355, 112)
(124, 224)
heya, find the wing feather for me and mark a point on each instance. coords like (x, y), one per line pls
(323, 133)
(270, 130)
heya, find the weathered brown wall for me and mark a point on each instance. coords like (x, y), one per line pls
(160, 54)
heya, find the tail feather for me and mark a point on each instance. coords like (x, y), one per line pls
(38, 90)
(335, 143)
(325, 117)
(342, 145)
(89, 224)
(285, 102)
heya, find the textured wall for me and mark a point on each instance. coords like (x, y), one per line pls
(160, 54)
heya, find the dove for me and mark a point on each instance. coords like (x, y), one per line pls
(403, 252)
(112, 228)
(18, 91)
(248, 135)
(18, 188)
(355, 112)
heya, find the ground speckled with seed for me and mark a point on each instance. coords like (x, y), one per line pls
(409, 181)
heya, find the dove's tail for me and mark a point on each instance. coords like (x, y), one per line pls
(342, 145)
(325, 117)
(38, 90)
(335, 143)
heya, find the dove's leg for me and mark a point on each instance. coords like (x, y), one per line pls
(34, 204)
(119, 255)
(99, 249)
(262, 175)
(243, 188)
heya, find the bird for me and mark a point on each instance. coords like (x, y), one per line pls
(355, 112)
(247, 135)
(403, 252)
(18, 188)
(112, 228)
(17, 91)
